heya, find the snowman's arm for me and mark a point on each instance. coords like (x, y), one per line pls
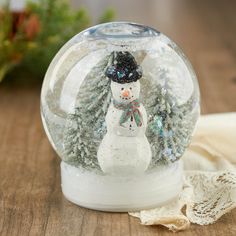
(112, 121)
(144, 115)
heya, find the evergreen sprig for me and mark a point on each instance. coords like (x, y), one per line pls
(33, 37)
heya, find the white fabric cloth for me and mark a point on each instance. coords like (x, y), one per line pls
(210, 177)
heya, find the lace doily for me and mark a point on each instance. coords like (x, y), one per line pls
(209, 189)
(213, 196)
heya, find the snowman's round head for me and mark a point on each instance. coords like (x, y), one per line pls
(125, 93)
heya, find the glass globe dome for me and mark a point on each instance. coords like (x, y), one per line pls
(119, 104)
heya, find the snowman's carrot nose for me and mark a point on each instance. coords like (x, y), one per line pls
(125, 93)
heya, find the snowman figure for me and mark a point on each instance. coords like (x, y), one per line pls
(125, 148)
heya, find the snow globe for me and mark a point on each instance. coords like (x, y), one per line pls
(119, 104)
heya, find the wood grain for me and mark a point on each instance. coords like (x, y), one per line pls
(31, 202)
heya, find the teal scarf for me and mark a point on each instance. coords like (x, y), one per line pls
(130, 111)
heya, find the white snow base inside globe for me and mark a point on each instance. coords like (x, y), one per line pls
(123, 193)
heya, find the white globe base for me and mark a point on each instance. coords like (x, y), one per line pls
(121, 194)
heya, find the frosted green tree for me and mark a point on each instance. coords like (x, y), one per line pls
(170, 125)
(85, 127)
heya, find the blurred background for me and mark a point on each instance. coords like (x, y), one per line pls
(31, 32)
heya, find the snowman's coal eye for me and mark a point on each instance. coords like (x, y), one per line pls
(130, 88)
(122, 88)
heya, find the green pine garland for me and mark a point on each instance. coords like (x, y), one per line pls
(56, 24)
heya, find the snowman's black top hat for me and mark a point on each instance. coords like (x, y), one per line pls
(123, 68)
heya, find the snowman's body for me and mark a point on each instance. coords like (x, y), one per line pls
(125, 148)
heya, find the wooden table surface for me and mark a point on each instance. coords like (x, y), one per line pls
(31, 202)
